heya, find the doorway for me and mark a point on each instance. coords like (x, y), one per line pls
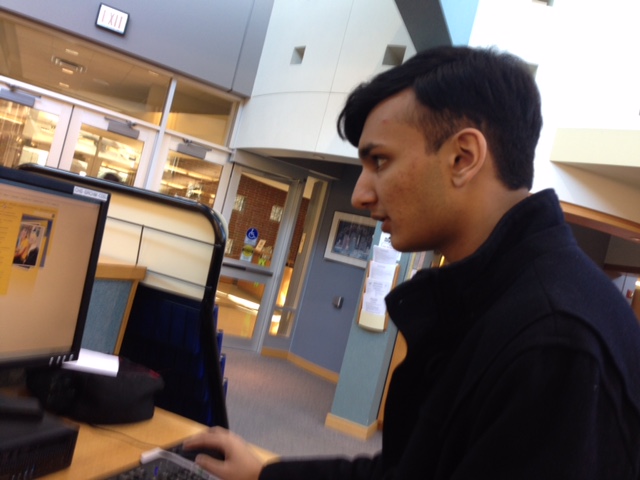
(103, 147)
(28, 129)
(272, 219)
(48, 132)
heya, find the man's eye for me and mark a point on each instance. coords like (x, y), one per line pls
(379, 161)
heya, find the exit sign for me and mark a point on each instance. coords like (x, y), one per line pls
(112, 19)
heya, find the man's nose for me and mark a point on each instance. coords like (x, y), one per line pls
(363, 195)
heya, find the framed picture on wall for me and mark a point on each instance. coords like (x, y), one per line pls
(350, 239)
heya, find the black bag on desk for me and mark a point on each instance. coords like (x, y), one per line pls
(94, 398)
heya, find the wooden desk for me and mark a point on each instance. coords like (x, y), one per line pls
(106, 450)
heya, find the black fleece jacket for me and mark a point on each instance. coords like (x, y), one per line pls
(523, 362)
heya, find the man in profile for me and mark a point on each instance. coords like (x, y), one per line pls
(523, 359)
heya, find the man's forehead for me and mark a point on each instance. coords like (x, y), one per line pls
(394, 105)
(394, 110)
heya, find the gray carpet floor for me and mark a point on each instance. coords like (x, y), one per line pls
(280, 407)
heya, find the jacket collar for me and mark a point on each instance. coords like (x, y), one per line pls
(441, 302)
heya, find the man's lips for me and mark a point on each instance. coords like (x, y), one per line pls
(385, 224)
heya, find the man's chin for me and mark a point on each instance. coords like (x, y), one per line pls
(404, 246)
(398, 245)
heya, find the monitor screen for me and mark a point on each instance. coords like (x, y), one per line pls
(50, 235)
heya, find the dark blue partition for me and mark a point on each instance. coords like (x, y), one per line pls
(164, 333)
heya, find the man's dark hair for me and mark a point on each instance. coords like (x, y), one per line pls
(462, 87)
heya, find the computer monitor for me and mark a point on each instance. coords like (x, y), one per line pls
(50, 235)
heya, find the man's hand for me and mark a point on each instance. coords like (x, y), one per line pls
(240, 463)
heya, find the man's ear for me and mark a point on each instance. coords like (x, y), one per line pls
(470, 150)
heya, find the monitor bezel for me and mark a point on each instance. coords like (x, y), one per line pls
(71, 190)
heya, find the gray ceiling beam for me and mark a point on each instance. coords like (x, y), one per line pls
(425, 22)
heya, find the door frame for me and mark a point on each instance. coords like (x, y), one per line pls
(270, 276)
(49, 104)
(83, 116)
(213, 154)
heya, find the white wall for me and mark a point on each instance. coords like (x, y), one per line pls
(588, 77)
(295, 106)
(587, 72)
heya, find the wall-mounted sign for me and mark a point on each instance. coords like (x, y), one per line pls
(250, 241)
(112, 19)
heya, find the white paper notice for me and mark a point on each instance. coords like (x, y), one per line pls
(378, 284)
(382, 271)
(374, 304)
(384, 255)
(378, 287)
(385, 240)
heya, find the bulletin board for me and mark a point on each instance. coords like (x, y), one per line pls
(382, 276)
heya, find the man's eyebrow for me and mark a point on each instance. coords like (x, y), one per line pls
(365, 150)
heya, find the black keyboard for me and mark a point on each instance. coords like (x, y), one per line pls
(159, 469)
(163, 465)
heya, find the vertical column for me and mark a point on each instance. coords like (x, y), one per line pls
(363, 374)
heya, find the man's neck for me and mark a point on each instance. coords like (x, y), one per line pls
(477, 227)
